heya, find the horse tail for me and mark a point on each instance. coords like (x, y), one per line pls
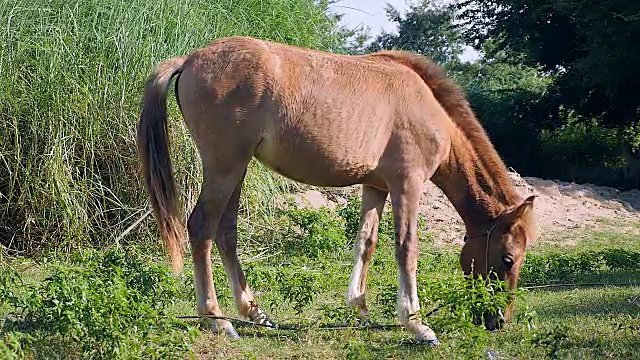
(153, 151)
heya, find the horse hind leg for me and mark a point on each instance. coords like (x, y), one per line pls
(226, 240)
(203, 223)
(372, 206)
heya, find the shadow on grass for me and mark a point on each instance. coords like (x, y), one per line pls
(594, 301)
(609, 278)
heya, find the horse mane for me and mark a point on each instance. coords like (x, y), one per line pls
(452, 98)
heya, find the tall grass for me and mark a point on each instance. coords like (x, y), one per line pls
(72, 75)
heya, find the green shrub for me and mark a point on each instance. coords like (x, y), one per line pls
(386, 300)
(460, 300)
(356, 349)
(540, 269)
(350, 212)
(620, 259)
(298, 286)
(314, 233)
(583, 144)
(111, 306)
(553, 341)
(448, 303)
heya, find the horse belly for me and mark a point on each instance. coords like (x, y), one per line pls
(317, 163)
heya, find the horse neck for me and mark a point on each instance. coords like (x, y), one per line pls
(476, 182)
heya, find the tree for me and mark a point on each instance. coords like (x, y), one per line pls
(426, 28)
(591, 48)
(508, 98)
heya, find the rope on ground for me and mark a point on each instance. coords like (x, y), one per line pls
(371, 326)
(576, 285)
(246, 323)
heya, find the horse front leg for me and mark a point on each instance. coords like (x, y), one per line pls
(404, 200)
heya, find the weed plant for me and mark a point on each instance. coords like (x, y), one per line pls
(103, 306)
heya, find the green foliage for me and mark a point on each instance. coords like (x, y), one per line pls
(572, 267)
(298, 286)
(583, 144)
(620, 259)
(386, 299)
(554, 341)
(426, 28)
(589, 45)
(314, 233)
(350, 212)
(339, 313)
(10, 346)
(449, 303)
(121, 305)
(72, 75)
(111, 306)
(460, 300)
(357, 350)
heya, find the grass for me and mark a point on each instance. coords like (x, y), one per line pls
(306, 289)
(567, 322)
(73, 74)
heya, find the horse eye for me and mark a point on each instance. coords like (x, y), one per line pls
(508, 261)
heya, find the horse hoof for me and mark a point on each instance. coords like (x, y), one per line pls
(263, 320)
(431, 342)
(231, 333)
(428, 339)
(268, 324)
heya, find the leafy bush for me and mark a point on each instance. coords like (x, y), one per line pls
(587, 152)
(340, 312)
(451, 303)
(460, 300)
(298, 287)
(620, 259)
(553, 341)
(314, 233)
(112, 306)
(386, 300)
(572, 267)
(356, 349)
(350, 212)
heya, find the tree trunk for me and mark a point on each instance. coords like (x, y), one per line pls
(632, 156)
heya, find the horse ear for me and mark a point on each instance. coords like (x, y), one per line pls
(518, 212)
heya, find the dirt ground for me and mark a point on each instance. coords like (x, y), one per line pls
(560, 207)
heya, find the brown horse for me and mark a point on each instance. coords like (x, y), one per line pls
(389, 121)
